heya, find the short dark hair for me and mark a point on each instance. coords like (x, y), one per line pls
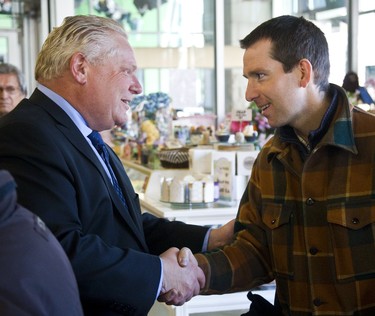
(294, 38)
(350, 82)
(6, 68)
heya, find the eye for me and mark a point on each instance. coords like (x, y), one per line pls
(9, 89)
(126, 71)
(257, 75)
(129, 71)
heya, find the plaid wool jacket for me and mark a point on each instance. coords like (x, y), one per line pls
(308, 223)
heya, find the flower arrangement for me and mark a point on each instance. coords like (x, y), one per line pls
(151, 111)
(150, 103)
(260, 124)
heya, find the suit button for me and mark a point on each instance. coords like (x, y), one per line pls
(355, 221)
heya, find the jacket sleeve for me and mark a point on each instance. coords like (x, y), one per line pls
(365, 96)
(245, 263)
(161, 234)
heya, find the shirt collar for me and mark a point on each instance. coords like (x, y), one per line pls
(74, 115)
(335, 128)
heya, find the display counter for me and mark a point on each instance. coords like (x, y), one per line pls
(147, 183)
(212, 214)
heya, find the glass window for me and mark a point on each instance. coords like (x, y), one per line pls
(173, 42)
(4, 49)
(240, 18)
(366, 56)
(9, 20)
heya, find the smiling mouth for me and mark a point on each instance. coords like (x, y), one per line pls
(264, 107)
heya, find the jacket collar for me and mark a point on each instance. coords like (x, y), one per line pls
(338, 129)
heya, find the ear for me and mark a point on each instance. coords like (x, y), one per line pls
(305, 68)
(78, 67)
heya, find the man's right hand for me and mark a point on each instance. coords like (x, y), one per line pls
(180, 284)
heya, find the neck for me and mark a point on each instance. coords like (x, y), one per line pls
(313, 115)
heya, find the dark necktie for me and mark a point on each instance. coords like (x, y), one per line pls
(100, 146)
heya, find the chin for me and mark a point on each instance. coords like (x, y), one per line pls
(120, 122)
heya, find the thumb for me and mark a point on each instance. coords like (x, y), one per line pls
(183, 256)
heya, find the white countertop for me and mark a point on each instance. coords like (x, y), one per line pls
(212, 214)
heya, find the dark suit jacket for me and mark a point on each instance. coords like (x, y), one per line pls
(36, 277)
(113, 252)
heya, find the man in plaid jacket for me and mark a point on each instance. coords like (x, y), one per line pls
(307, 216)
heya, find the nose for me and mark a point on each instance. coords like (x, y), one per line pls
(251, 91)
(136, 87)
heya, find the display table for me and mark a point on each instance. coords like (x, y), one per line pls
(147, 182)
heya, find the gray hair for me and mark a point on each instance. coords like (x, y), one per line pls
(89, 34)
(6, 69)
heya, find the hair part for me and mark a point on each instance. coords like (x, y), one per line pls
(294, 38)
(88, 34)
(6, 69)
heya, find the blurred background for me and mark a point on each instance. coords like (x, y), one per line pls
(189, 49)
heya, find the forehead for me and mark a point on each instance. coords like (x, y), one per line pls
(258, 53)
(125, 51)
(129, 53)
(9, 79)
(258, 57)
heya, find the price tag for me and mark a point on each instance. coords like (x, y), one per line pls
(241, 115)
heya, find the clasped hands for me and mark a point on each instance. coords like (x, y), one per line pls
(182, 277)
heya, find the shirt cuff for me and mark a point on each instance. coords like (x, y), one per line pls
(161, 279)
(205, 241)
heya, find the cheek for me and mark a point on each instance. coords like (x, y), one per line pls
(284, 90)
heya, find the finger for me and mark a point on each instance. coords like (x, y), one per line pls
(184, 256)
(201, 278)
(180, 301)
(168, 296)
(177, 300)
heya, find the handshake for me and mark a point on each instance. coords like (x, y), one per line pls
(182, 278)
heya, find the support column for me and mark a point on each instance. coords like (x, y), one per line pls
(353, 15)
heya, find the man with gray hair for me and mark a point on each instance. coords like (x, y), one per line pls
(12, 87)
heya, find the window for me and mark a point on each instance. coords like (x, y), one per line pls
(174, 46)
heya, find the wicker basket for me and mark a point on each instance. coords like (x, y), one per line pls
(177, 158)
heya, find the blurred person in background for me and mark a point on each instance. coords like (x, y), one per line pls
(12, 87)
(356, 94)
